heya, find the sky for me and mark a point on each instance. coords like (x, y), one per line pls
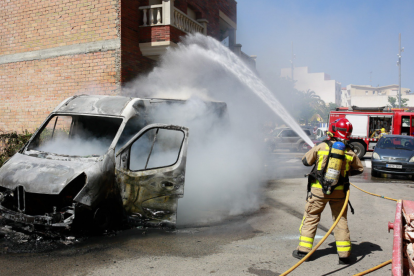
(345, 39)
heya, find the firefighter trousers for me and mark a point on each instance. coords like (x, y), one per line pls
(313, 210)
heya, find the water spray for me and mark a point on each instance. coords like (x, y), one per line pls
(216, 51)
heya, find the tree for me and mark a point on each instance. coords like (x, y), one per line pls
(393, 102)
(314, 100)
(328, 108)
(332, 106)
(301, 105)
(311, 104)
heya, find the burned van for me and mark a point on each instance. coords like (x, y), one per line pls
(95, 160)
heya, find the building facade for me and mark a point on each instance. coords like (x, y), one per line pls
(51, 50)
(329, 90)
(369, 96)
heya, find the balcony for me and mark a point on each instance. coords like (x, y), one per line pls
(157, 15)
(162, 25)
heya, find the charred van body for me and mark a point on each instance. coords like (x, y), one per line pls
(97, 159)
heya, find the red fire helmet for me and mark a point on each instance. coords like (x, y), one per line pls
(342, 129)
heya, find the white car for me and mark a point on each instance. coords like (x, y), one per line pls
(320, 132)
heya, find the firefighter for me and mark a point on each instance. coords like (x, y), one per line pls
(376, 134)
(383, 132)
(319, 193)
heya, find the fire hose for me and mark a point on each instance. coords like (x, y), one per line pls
(330, 231)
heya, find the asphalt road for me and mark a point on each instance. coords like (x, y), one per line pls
(258, 243)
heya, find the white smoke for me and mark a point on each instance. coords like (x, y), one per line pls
(225, 164)
(76, 146)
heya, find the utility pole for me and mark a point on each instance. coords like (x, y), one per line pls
(370, 78)
(291, 62)
(400, 50)
(292, 75)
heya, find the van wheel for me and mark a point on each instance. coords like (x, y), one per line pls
(359, 149)
(107, 216)
(374, 173)
(102, 218)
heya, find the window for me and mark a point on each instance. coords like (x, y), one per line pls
(156, 148)
(132, 127)
(289, 133)
(57, 128)
(277, 132)
(76, 135)
(191, 13)
(405, 122)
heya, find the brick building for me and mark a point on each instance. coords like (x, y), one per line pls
(51, 50)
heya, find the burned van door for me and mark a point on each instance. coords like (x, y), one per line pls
(150, 172)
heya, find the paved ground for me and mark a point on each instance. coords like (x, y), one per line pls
(259, 243)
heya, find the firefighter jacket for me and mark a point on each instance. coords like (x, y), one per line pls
(318, 156)
(376, 135)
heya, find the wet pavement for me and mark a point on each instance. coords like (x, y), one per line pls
(256, 243)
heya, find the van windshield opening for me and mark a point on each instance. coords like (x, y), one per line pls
(76, 135)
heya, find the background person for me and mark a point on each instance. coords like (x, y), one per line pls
(376, 134)
(383, 132)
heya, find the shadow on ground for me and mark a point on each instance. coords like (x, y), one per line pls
(359, 251)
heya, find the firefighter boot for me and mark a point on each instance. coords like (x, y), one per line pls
(344, 261)
(299, 255)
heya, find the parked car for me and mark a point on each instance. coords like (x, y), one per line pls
(321, 132)
(393, 154)
(286, 138)
(95, 160)
(320, 139)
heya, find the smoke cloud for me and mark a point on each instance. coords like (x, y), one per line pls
(76, 146)
(225, 164)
